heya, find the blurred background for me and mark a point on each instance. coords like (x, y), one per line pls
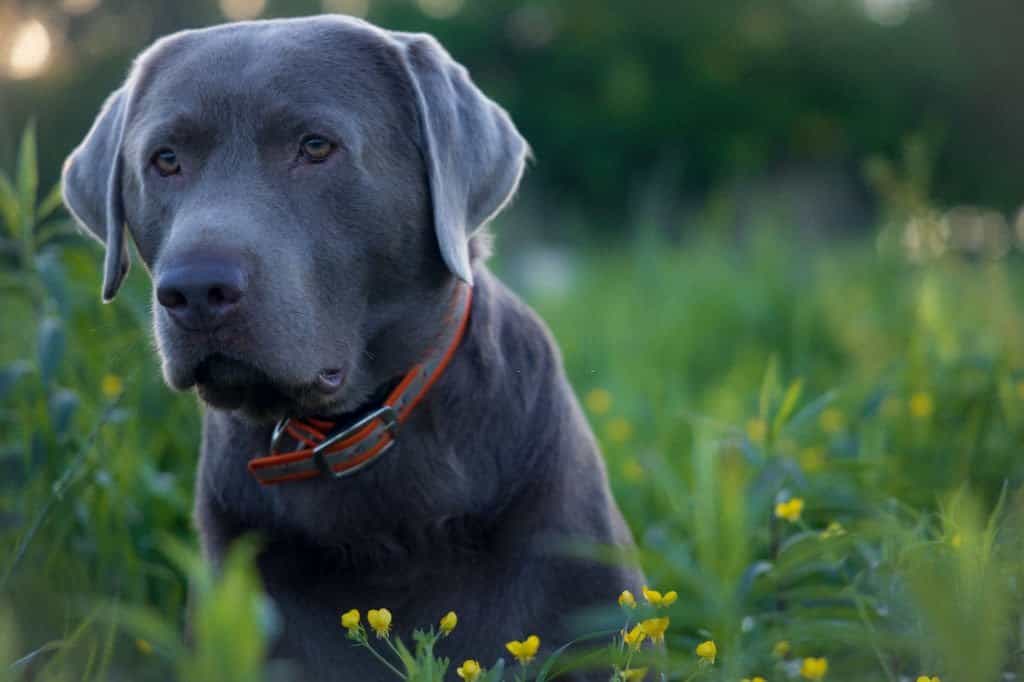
(656, 110)
(778, 241)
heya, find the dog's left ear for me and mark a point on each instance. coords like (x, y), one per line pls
(473, 153)
(91, 184)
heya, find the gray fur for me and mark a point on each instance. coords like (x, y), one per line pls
(351, 263)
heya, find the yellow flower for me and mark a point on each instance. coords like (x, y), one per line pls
(757, 430)
(449, 622)
(380, 621)
(755, 678)
(469, 670)
(598, 401)
(707, 651)
(524, 651)
(812, 459)
(636, 675)
(655, 628)
(832, 420)
(632, 470)
(921, 405)
(925, 678)
(350, 620)
(111, 386)
(790, 510)
(656, 598)
(144, 647)
(626, 599)
(635, 637)
(781, 649)
(834, 530)
(814, 668)
(956, 540)
(618, 430)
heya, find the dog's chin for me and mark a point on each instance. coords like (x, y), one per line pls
(227, 383)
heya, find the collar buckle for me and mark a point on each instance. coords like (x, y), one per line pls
(386, 414)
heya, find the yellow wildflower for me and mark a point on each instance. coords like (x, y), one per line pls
(707, 651)
(812, 459)
(655, 628)
(781, 649)
(656, 598)
(144, 647)
(790, 510)
(755, 678)
(956, 540)
(598, 401)
(525, 650)
(757, 430)
(921, 405)
(635, 675)
(618, 430)
(632, 470)
(635, 637)
(626, 600)
(449, 622)
(350, 620)
(834, 530)
(380, 621)
(832, 420)
(111, 386)
(925, 678)
(814, 668)
(469, 670)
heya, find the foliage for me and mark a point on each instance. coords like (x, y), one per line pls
(816, 450)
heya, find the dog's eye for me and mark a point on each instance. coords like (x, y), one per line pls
(316, 148)
(166, 162)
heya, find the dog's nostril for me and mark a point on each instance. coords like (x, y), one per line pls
(224, 295)
(171, 298)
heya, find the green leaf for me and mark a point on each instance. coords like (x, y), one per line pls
(9, 209)
(53, 200)
(51, 347)
(789, 401)
(28, 178)
(769, 386)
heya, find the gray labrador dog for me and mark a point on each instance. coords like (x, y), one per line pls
(307, 196)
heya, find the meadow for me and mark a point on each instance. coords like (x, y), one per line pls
(815, 442)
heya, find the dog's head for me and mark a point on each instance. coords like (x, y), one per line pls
(302, 193)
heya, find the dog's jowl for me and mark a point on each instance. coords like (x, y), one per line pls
(393, 424)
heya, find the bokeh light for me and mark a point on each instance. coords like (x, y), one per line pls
(79, 6)
(238, 10)
(355, 8)
(888, 12)
(30, 50)
(439, 9)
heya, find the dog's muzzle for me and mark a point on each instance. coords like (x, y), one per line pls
(323, 447)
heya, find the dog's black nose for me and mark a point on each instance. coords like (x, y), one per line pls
(200, 294)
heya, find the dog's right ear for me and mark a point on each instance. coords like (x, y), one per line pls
(91, 184)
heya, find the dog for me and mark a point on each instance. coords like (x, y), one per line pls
(308, 197)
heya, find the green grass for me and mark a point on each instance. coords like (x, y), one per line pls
(721, 380)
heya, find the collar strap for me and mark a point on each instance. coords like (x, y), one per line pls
(324, 448)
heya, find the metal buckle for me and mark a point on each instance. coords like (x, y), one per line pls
(279, 430)
(386, 414)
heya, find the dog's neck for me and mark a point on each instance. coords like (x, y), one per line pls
(497, 402)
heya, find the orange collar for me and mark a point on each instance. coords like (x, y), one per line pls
(322, 449)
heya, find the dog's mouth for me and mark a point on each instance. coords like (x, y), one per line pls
(230, 383)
